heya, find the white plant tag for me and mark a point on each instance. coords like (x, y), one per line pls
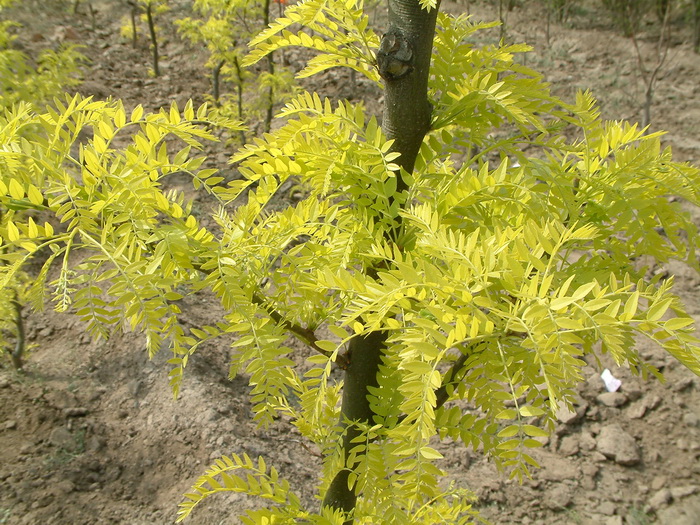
(611, 382)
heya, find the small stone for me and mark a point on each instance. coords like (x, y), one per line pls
(653, 402)
(682, 492)
(555, 468)
(587, 441)
(613, 520)
(75, 412)
(588, 483)
(607, 507)
(683, 384)
(568, 416)
(683, 444)
(134, 386)
(64, 487)
(660, 498)
(658, 482)
(616, 444)
(95, 444)
(46, 332)
(652, 456)
(691, 419)
(4, 383)
(61, 437)
(569, 446)
(10, 425)
(612, 399)
(595, 383)
(565, 414)
(589, 469)
(637, 410)
(558, 498)
(43, 501)
(633, 393)
(598, 457)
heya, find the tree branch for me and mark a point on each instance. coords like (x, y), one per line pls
(306, 335)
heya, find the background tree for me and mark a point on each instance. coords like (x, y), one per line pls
(148, 11)
(226, 27)
(458, 290)
(26, 81)
(628, 14)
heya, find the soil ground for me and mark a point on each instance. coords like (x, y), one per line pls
(90, 433)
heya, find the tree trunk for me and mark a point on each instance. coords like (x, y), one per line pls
(696, 26)
(361, 373)
(404, 64)
(154, 40)
(215, 80)
(18, 352)
(271, 69)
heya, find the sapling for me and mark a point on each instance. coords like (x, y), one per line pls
(628, 14)
(457, 294)
(149, 9)
(226, 28)
(650, 71)
(22, 83)
(696, 25)
(559, 10)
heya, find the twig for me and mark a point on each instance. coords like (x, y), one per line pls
(305, 335)
(441, 394)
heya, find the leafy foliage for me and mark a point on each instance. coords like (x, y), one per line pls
(23, 81)
(514, 262)
(340, 33)
(226, 27)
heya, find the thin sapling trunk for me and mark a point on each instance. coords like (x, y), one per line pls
(271, 70)
(18, 352)
(215, 80)
(239, 88)
(651, 75)
(154, 41)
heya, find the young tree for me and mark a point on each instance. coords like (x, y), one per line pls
(149, 10)
(226, 27)
(27, 80)
(466, 252)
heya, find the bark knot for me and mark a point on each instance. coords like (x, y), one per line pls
(395, 55)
